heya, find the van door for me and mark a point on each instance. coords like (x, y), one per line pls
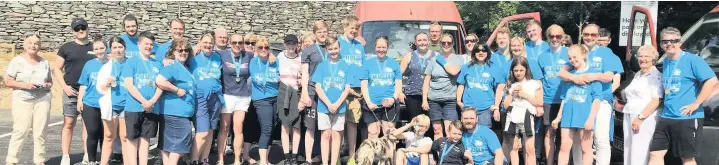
(516, 24)
(642, 31)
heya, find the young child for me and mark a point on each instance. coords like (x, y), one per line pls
(417, 145)
(449, 150)
(332, 83)
(522, 101)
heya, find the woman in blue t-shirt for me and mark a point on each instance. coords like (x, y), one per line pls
(205, 67)
(88, 98)
(112, 85)
(265, 83)
(177, 103)
(381, 86)
(480, 85)
(578, 109)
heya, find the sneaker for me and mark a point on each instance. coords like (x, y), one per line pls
(228, 150)
(65, 160)
(84, 159)
(116, 158)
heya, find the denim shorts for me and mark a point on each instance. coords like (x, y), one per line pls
(176, 133)
(208, 112)
(442, 110)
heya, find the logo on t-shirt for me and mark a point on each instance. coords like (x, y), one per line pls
(578, 93)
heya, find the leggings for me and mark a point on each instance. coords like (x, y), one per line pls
(266, 115)
(93, 124)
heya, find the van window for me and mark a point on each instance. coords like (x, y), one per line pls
(704, 41)
(401, 34)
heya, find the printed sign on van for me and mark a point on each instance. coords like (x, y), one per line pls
(639, 22)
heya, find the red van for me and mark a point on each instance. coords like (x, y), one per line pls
(401, 21)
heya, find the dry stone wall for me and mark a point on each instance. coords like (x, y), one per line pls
(271, 19)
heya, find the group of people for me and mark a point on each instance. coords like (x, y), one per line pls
(547, 98)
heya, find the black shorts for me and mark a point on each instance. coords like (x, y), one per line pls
(682, 135)
(141, 124)
(309, 115)
(550, 113)
(287, 111)
(384, 114)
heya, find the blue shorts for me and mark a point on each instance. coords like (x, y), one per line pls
(208, 112)
(442, 110)
(176, 133)
(413, 160)
(484, 117)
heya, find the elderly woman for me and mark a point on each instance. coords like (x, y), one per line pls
(29, 76)
(643, 94)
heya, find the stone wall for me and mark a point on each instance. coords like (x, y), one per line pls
(270, 19)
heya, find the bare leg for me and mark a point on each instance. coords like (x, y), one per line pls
(207, 146)
(225, 121)
(67, 134)
(657, 157)
(285, 136)
(325, 146)
(198, 148)
(144, 150)
(438, 130)
(529, 151)
(239, 120)
(110, 131)
(549, 147)
(566, 147)
(309, 143)
(125, 143)
(131, 153)
(296, 140)
(587, 141)
(400, 158)
(373, 130)
(514, 154)
(336, 143)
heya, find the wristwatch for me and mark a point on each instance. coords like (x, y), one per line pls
(640, 117)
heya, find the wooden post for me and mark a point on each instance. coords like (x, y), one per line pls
(9, 46)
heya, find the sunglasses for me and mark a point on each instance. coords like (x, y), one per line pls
(555, 36)
(250, 43)
(591, 34)
(446, 43)
(674, 41)
(80, 28)
(237, 43)
(182, 50)
(481, 50)
(263, 48)
(471, 40)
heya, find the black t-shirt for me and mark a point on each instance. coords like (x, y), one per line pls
(455, 155)
(313, 56)
(75, 56)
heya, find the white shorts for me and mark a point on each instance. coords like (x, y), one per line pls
(336, 122)
(236, 103)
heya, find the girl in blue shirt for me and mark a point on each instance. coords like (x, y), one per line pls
(117, 93)
(205, 67)
(332, 84)
(88, 98)
(139, 75)
(177, 103)
(580, 104)
(480, 85)
(381, 86)
(265, 82)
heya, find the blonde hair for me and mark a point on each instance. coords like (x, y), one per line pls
(583, 49)
(554, 27)
(651, 51)
(250, 38)
(320, 24)
(261, 40)
(473, 35)
(422, 120)
(349, 20)
(504, 30)
(521, 42)
(670, 30)
(533, 22)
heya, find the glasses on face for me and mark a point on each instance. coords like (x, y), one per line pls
(674, 41)
(182, 50)
(250, 43)
(591, 34)
(263, 48)
(555, 36)
(471, 40)
(80, 28)
(446, 43)
(237, 43)
(481, 49)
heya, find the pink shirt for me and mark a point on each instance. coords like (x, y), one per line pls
(290, 69)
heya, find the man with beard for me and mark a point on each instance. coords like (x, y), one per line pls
(481, 142)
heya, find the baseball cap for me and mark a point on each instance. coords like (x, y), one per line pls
(290, 39)
(78, 22)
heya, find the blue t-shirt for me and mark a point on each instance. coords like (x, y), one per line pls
(131, 47)
(161, 50)
(381, 76)
(207, 70)
(601, 60)
(88, 78)
(352, 53)
(170, 103)
(482, 143)
(502, 61)
(551, 63)
(143, 73)
(479, 84)
(333, 79)
(119, 92)
(265, 78)
(534, 51)
(578, 101)
(683, 79)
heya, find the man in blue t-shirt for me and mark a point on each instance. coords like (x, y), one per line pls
(607, 69)
(688, 81)
(177, 31)
(481, 142)
(130, 36)
(535, 46)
